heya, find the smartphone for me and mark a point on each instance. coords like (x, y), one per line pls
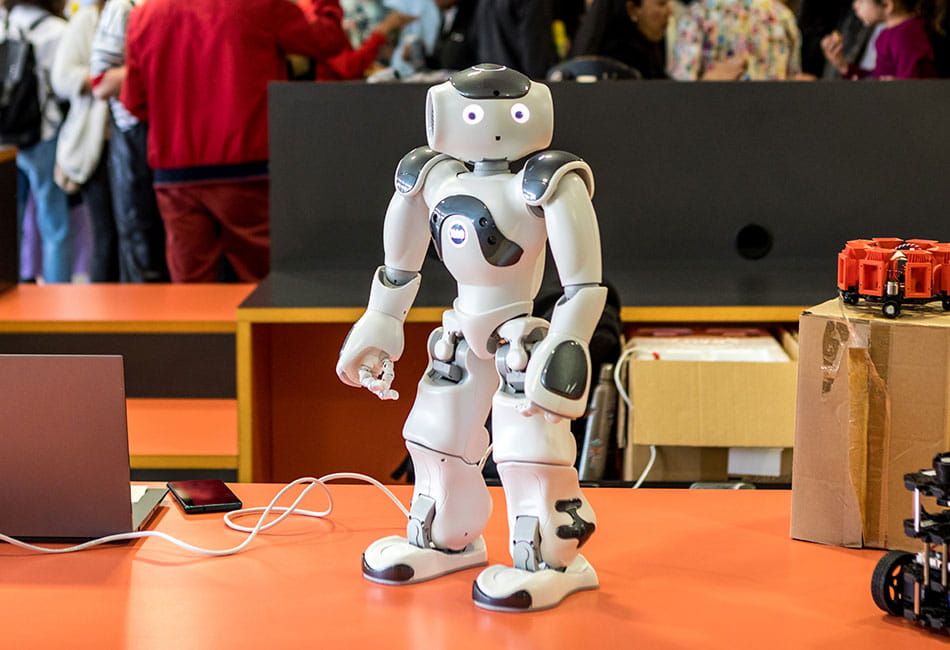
(204, 495)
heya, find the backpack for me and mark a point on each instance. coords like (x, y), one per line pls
(21, 114)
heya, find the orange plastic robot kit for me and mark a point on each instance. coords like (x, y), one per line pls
(894, 272)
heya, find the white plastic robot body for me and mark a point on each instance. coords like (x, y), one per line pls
(490, 228)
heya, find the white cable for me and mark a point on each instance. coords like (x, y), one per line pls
(252, 531)
(481, 463)
(618, 382)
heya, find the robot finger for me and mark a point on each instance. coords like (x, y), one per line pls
(379, 386)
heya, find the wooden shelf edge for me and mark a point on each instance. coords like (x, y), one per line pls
(716, 314)
(118, 327)
(750, 313)
(183, 462)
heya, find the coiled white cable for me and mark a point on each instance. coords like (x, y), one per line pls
(261, 525)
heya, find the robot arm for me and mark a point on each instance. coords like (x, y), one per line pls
(376, 339)
(558, 374)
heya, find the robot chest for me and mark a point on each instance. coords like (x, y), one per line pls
(463, 226)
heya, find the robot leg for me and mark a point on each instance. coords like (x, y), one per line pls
(548, 517)
(446, 437)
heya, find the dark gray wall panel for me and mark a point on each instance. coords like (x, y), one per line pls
(680, 170)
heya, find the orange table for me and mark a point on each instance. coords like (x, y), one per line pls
(76, 308)
(678, 569)
(177, 433)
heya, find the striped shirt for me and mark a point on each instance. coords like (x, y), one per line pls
(108, 51)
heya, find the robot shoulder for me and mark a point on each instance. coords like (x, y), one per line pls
(543, 171)
(414, 167)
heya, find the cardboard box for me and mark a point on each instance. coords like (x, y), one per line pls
(714, 403)
(873, 404)
(703, 464)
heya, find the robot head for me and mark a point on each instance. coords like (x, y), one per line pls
(489, 112)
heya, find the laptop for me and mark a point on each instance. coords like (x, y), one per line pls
(64, 450)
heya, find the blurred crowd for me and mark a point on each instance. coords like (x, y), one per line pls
(151, 164)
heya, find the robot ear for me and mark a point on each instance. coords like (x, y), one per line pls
(430, 117)
(436, 100)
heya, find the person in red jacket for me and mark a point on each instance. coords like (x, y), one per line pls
(197, 71)
(355, 63)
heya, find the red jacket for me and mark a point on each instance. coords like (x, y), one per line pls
(197, 71)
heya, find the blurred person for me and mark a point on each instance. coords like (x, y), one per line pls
(517, 34)
(41, 23)
(456, 47)
(207, 114)
(356, 62)
(858, 44)
(630, 31)
(360, 18)
(80, 160)
(417, 40)
(903, 47)
(817, 19)
(139, 229)
(754, 39)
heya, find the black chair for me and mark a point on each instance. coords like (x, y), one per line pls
(592, 68)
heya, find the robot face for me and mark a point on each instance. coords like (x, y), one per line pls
(489, 112)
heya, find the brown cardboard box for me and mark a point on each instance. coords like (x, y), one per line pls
(873, 404)
(675, 464)
(714, 403)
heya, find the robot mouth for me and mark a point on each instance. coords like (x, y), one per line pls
(497, 138)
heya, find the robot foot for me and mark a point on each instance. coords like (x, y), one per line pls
(394, 561)
(507, 589)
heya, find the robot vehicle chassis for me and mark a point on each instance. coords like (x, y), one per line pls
(915, 585)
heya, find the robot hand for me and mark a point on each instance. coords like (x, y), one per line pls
(368, 353)
(379, 381)
(557, 378)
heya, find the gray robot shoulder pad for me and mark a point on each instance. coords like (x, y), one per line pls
(543, 171)
(413, 168)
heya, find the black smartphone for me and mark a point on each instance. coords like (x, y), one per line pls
(204, 495)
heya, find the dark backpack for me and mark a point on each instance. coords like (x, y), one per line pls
(21, 114)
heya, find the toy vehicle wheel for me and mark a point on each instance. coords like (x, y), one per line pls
(887, 582)
(850, 297)
(891, 309)
(946, 304)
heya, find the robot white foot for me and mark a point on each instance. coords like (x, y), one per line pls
(394, 561)
(508, 589)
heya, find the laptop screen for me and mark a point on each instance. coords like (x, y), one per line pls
(64, 455)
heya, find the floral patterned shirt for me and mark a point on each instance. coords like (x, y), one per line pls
(765, 31)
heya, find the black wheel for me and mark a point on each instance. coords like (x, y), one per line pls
(850, 297)
(945, 303)
(891, 308)
(887, 582)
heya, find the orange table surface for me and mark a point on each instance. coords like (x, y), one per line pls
(101, 304)
(678, 569)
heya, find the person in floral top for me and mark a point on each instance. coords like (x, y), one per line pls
(759, 39)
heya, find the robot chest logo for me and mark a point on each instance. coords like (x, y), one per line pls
(457, 234)
(497, 249)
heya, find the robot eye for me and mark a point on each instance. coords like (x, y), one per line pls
(473, 114)
(520, 113)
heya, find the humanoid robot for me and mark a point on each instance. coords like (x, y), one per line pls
(490, 228)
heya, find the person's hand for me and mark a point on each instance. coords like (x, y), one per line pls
(394, 21)
(110, 84)
(833, 49)
(727, 70)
